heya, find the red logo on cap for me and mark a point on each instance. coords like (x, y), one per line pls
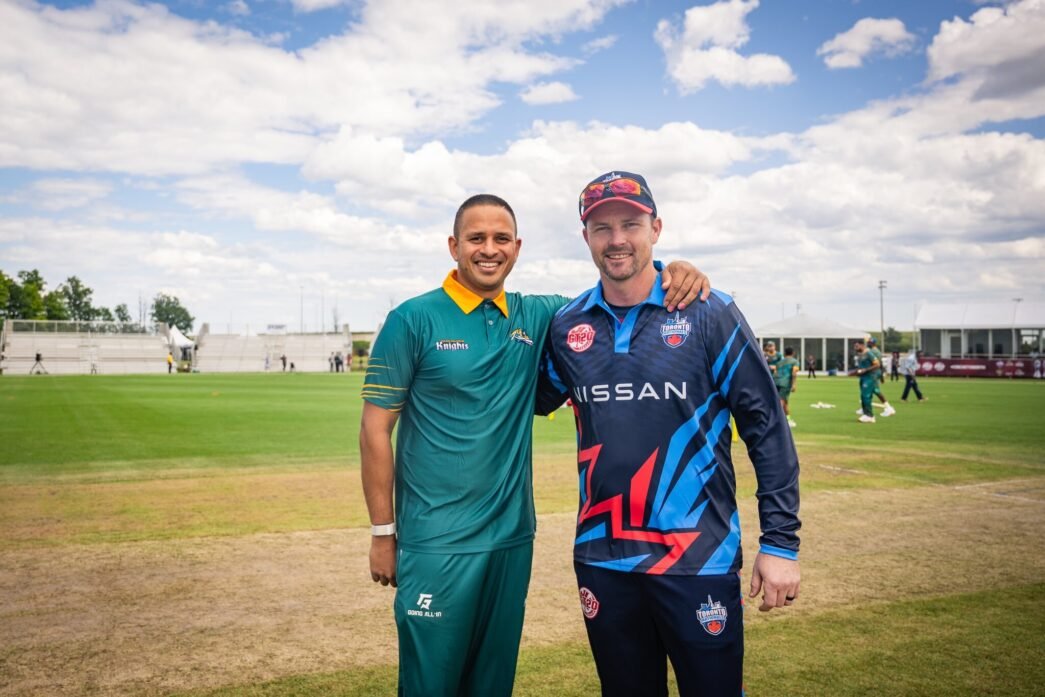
(589, 605)
(581, 337)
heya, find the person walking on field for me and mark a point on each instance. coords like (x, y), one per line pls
(909, 370)
(811, 366)
(170, 362)
(657, 549)
(456, 368)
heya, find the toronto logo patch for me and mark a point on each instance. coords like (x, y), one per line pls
(581, 337)
(589, 605)
(675, 330)
(712, 617)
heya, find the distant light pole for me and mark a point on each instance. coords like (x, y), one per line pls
(301, 312)
(1015, 347)
(881, 308)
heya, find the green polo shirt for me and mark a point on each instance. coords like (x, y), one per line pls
(785, 368)
(864, 361)
(462, 372)
(878, 355)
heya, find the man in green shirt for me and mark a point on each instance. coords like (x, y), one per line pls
(872, 348)
(784, 372)
(457, 368)
(867, 367)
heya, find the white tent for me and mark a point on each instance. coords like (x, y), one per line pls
(957, 330)
(825, 339)
(180, 340)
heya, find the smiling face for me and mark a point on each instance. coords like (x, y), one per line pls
(485, 248)
(621, 239)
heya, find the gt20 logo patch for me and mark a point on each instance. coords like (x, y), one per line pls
(589, 605)
(581, 337)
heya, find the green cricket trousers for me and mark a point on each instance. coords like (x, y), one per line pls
(459, 618)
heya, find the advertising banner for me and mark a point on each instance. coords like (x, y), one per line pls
(981, 367)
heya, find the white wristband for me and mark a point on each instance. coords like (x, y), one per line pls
(383, 530)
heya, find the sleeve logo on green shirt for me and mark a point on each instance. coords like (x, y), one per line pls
(451, 345)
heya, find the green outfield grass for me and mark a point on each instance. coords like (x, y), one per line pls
(92, 460)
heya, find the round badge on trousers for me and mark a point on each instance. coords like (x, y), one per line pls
(589, 604)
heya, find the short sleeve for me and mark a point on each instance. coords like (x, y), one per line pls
(390, 370)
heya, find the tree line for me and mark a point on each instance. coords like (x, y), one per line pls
(26, 296)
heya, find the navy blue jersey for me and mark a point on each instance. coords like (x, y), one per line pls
(653, 394)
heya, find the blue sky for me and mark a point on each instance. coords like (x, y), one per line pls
(259, 156)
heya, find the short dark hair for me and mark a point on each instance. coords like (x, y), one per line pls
(482, 200)
(788, 351)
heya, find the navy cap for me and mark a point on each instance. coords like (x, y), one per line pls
(625, 187)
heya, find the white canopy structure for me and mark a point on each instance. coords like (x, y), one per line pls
(981, 330)
(828, 341)
(180, 340)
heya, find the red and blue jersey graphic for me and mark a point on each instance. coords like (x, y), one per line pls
(653, 393)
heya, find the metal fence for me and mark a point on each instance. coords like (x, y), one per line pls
(49, 326)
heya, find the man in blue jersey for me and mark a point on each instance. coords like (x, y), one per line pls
(657, 552)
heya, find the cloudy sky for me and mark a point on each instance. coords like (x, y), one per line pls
(277, 161)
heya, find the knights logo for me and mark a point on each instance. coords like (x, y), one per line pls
(712, 617)
(675, 331)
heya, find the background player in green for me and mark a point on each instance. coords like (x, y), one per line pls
(872, 348)
(457, 368)
(784, 372)
(772, 357)
(867, 366)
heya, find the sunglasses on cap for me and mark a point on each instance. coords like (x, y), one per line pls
(617, 187)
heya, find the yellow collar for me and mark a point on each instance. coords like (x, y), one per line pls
(466, 299)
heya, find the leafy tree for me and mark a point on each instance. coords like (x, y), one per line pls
(895, 341)
(360, 347)
(5, 294)
(122, 313)
(55, 305)
(167, 308)
(103, 314)
(77, 299)
(27, 300)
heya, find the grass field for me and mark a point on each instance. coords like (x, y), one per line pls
(198, 534)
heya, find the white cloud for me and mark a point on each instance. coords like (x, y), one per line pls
(548, 93)
(62, 194)
(314, 5)
(603, 43)
(1000, 45)
(239, 7)
(867, 37)
(139, 89)
(706, 49)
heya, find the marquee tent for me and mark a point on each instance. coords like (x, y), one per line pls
(981, 330)
(825, 339)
